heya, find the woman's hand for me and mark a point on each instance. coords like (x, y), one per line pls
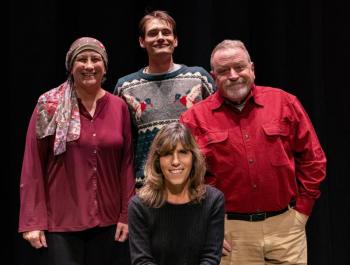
(36, 238)
(122, 232)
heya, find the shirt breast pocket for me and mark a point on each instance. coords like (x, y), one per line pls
(277, 135)
(217, 150)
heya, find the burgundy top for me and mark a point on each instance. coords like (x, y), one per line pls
(88, 185)
(263, 156)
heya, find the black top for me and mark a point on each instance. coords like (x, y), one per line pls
(177, 234)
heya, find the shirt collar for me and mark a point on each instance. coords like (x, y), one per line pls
(257, 96)
(217, 100)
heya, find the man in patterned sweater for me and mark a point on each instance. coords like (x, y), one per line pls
(158, 93)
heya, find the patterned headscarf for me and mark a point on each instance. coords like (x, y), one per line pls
(82, 44)
(57, 109)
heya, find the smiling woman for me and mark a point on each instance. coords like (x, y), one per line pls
(78, 151)
(176, 166)
(88, 72)
(175, 218)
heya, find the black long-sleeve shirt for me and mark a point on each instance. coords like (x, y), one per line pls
(177, 234)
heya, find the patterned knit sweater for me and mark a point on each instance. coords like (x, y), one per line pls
(155, 100)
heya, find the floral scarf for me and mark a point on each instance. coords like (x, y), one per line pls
(58, 114)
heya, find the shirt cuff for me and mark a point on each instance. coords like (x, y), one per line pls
(123, 218)
(304, 205)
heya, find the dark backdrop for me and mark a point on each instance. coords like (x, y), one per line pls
(300, 46)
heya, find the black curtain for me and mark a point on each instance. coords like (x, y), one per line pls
(300, 46)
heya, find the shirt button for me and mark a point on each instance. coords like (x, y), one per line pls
(246, 136)
(94, 134)
(95, 151)
(94, 168)
(254, 186)
(250, 161)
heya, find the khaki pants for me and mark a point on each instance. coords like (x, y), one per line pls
(276, 240)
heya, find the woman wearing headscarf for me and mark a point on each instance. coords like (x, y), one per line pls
(77, 175)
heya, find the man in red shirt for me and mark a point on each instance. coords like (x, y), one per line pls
(263, 153)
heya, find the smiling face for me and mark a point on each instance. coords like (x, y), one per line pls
(88, 69)
(176, 167)
(159, 38)
(233, 73)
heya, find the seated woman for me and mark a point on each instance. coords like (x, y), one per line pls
(175, 218)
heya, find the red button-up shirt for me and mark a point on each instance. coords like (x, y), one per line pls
(263, 156)
(88, 185)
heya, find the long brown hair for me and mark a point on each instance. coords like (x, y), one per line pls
(153, 191)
